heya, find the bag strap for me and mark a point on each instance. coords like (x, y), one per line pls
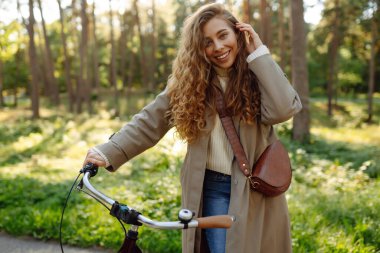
(231, 133)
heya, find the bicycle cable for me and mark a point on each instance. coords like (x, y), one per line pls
(64, 207)
(63, 211)
(89, 194)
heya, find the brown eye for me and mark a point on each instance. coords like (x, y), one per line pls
(223, 36)
(207, 43)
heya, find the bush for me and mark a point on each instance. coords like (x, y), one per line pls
(332, 200)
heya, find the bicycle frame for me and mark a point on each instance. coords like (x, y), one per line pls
(136, 219)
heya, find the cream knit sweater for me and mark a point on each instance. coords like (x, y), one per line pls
(220, 154)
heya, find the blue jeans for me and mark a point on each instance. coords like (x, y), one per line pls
(216, 200)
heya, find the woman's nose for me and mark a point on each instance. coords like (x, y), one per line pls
(218, 46)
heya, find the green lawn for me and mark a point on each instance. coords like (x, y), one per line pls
(334, 200)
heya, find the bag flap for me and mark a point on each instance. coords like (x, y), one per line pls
(273, 166)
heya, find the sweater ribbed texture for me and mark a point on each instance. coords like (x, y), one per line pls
(220, 154)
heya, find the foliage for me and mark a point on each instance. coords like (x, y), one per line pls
(353, 56)
(15, 70)
(333, 201)
(352, 65)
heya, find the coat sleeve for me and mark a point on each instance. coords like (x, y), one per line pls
(143, 131)
(279, 100)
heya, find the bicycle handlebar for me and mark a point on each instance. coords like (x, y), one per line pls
(219, 221)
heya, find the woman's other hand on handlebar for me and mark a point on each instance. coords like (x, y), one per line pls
(94, 157)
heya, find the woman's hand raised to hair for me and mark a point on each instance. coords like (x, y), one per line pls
(253, 40)
(94, 157)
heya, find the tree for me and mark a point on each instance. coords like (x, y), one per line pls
(164, 53)
(333, 55)
(372, 65)
(1, 82)
(34, 89)
(2, 49)
(339, 16)
(181, 12)
(67, 66)
(1, 71)
(112, 70)
(75, 38)
(246, 12)
(13, 60)
(83, 91)
(265, 23)
(143, 61)
(281, 33)
(152, 61)
(33, 65)
(346, 39)
(122, 46)
(14, 72)
(301, 121)
(49, 63)
(95, 57)
(131, 55)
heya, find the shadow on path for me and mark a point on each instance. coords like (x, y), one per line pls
(11, 244)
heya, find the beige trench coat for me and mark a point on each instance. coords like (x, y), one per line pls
(262, 224)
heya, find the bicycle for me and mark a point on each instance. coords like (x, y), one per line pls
(132, 217)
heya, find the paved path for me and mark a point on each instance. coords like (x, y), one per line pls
(10, 244)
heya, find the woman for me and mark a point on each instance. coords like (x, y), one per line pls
(217, 52)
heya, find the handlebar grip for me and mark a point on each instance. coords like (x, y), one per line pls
(218, 221)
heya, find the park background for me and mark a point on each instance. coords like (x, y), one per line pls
(74, 71)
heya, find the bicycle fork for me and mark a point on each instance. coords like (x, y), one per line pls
(129, 244)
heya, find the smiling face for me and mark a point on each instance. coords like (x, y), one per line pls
(220, 43)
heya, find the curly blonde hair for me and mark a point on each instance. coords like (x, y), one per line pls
(191, 89)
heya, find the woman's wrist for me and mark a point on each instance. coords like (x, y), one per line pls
(260, 51)
(102, 155)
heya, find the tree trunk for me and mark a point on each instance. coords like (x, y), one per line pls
(1, 83)
(112, 72)
(265, 22)
(372, 64)
(131, 61)
(69, 86)
(246, 12)
(301, 121)
(152, 83)
(332, 59)
(268, 26)
(122, 47)
(95, 58)
(33, 64)
(281, 34)
(83, 89)
(43, 76)
(75, 38)
(54, 89)
(131, 66)
(19, 58)
(143, 62)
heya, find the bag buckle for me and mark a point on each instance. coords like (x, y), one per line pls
(254, 184)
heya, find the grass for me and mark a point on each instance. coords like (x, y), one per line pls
(333, 201)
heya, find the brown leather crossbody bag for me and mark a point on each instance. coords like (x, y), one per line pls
(271, 174)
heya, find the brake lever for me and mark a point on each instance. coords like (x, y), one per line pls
(92, 169)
